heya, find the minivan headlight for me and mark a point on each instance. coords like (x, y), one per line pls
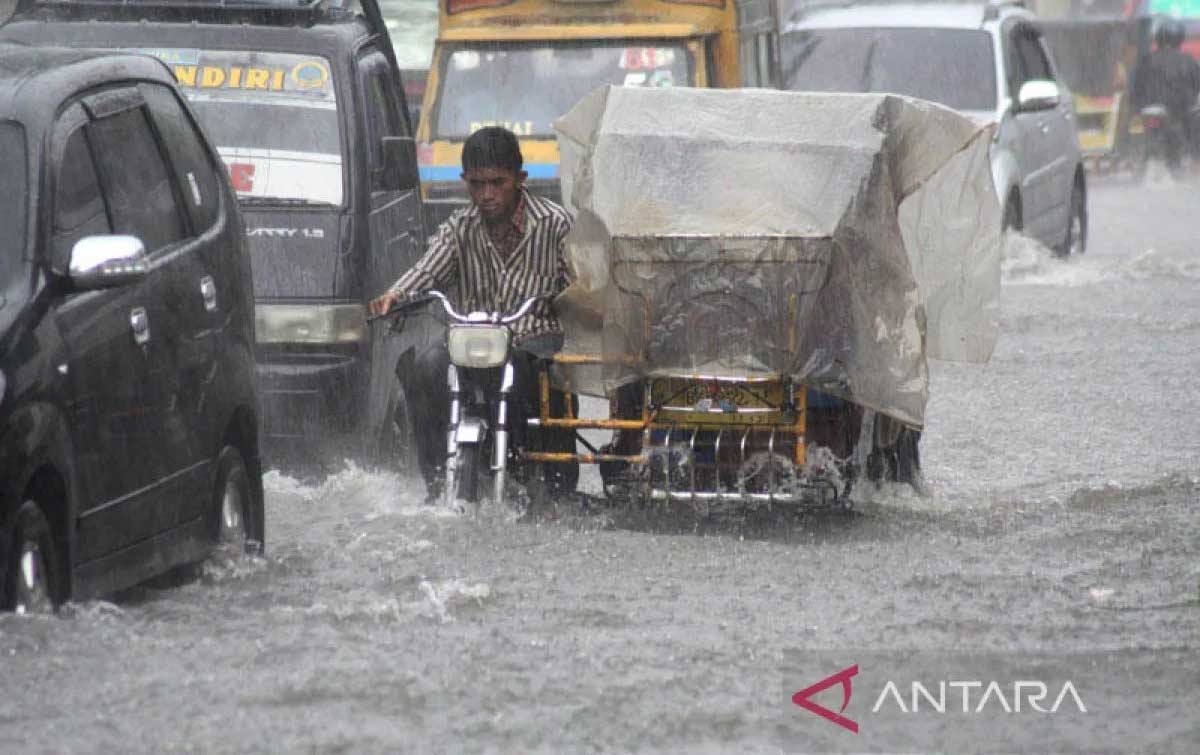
(310, 323)
(478, 346)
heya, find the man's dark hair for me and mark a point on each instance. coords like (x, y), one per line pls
(492, 147)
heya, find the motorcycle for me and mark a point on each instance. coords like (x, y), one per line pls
(482, 382)
(1160, 141)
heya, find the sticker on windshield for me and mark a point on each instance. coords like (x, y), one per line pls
(646, 58)
(465, 60)
(662, 79)
(229, 70)
(520, 128)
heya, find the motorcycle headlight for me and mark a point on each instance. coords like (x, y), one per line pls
(310, 323)
(478, 346)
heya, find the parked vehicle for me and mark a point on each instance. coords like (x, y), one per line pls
(305, 107)
(128, 417)
(522, 63)
(988, 61)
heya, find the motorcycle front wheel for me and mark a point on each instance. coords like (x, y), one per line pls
(466, 468)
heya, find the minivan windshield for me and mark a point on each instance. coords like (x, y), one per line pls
(526, 87)
(953, 67)
(13, 199)
(272, 116)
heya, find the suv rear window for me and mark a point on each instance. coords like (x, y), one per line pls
(953, 67)
(13, 199)
(273, 118)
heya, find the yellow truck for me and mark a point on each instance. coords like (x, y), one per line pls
(523, 63)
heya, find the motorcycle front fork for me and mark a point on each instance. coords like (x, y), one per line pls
(500, 435)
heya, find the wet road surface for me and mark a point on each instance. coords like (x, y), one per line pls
(1063, 519)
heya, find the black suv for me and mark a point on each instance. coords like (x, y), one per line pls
(128, 421)
(304, 104)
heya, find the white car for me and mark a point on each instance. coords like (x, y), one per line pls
(987, 61)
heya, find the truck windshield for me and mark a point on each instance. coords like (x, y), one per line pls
(953, 67)
(13, 200)
(272, 116)
(526, 87)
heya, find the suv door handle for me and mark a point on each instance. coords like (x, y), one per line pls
(140, 322)
(208, 290)
(1045, 127)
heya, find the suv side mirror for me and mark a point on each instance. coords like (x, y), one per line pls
(107, 262)
(400, 170)
(1039, 94)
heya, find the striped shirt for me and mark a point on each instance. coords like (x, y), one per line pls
(461, 254)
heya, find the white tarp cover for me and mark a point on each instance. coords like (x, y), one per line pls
(839, 239)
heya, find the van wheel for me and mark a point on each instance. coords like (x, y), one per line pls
(33, 579)
(397, 444)
(232, 504)
(1076, 241)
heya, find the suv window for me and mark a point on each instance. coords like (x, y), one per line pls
(13, 198)
(1032, 64)
(79, 209)
(135, 179)
(195, 174)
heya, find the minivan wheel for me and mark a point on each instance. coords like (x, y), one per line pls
(33, 580)
(232, 503)
(1012, 215)
(1076, 241)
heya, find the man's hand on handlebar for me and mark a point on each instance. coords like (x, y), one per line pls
(386, 303)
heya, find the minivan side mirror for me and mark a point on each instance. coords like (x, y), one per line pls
(107, 262)
(1039, 94)
(400, 169)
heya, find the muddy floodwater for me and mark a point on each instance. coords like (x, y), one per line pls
(1063, 522)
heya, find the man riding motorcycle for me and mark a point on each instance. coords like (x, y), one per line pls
(1170, 79)
(502, 249)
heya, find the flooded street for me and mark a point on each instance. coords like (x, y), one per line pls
(1064, 519)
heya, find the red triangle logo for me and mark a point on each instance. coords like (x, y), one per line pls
(842, 677)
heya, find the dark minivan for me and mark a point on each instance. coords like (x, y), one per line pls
(304, 104)
(128, 416)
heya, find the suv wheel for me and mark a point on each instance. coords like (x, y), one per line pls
(32, 580)
(1076, 241)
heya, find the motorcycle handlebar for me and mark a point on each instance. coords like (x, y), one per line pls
(435, 295)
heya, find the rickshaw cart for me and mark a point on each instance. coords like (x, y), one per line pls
(759, 277)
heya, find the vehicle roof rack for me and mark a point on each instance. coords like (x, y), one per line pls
(991, 8)
(218, 11)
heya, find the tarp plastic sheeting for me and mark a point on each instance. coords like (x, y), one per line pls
(838, 239)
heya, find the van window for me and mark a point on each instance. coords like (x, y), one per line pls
(13, 199)
(194, 172)
(526, 87)
(140, 194)
(273, 118)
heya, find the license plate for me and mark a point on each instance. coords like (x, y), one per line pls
(702, 402)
